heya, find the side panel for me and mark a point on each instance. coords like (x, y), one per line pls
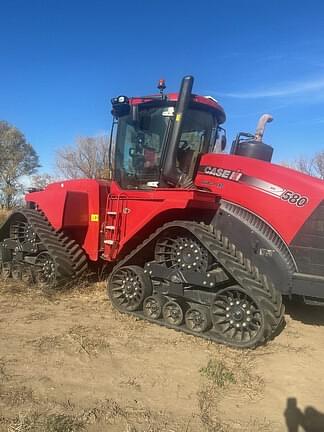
(139, 212)
(74, 207)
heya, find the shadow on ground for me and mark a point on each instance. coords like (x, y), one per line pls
(311, 315)
(311, 420)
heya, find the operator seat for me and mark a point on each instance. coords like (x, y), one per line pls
(185, 160)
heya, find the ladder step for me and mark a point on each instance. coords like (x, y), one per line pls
(112, 213)
(109, 242)
(110, 227)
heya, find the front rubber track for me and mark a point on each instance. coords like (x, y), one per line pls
(237, 266)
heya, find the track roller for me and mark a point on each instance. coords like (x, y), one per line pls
(173, 313)
(153, 306)
(198, 319)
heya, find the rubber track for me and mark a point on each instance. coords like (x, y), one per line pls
(236, 265)
(69, 258)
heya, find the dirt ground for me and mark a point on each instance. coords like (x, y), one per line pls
(69, 363)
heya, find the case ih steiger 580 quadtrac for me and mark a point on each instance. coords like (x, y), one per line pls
(202, 242)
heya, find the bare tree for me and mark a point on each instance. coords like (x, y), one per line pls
(318, 163)
(17, 159)
(40, 181)
(89, 158)
(313, 166)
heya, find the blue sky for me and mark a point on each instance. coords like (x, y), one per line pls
(62, 61)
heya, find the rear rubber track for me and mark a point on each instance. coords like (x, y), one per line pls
(70, 260)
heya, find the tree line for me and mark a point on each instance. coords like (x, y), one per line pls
(19, 163)
(87, 158)
(313, 165)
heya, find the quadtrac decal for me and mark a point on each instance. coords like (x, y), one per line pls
(291, 197)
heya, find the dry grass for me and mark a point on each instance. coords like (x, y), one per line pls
(16, 396)
(89, 340)
(3, 373)
(227, 373)
(207, 405)
(130, 418)
(36, 422)
(3, 215)
(77, 340)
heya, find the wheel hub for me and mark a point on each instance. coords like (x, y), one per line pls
(48, 267)
(174, 313)
(30, 234)
(130, 287)
(197, 319)
(239, 313)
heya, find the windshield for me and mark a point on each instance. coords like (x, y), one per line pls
(139, 147)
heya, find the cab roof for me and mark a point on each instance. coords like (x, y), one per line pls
(208, 101)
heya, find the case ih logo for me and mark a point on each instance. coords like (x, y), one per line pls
(222, 173)
(291, 197)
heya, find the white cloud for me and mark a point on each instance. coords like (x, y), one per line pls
(289, 89)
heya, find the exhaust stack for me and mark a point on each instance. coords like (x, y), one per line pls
(170, 173)
(263, 120)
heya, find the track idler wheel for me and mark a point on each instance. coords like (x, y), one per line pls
(45, 273)
(173, 313)
(198, 319)
(153, 306)
(128, 287)
(237, 316)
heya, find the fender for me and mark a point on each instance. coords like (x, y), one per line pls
(259, 242)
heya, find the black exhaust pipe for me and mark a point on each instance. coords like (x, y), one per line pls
(170, 173)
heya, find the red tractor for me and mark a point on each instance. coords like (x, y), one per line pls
(195, 240)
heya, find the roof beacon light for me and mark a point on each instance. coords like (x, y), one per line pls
(161, 86)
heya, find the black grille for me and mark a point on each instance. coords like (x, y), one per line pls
(308, 245)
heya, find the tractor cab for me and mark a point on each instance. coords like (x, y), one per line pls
(159, 139)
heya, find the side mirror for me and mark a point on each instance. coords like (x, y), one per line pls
(220, 143)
